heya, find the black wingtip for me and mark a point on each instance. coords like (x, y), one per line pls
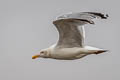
(103, 16)
(107, 15)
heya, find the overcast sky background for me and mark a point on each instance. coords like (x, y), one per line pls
(26, 27)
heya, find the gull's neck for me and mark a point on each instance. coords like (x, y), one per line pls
(50, 50)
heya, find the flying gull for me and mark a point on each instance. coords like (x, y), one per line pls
(70, 45)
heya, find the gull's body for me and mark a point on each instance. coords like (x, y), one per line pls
(71, 53)
(71, 38)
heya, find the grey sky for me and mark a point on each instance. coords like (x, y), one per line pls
(26, 27)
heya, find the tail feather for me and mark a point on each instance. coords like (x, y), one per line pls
(100, 51)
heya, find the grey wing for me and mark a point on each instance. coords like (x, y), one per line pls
(67, 26)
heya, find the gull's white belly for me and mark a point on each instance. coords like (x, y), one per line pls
(68, 53)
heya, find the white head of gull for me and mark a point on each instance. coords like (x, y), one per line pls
(70, 45)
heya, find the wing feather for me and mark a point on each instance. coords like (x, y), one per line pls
(69, 33)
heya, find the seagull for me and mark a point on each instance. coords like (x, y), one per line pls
(70, 45)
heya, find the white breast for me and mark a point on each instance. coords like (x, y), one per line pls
(65, 53)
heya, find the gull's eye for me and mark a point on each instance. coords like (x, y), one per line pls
(42, 52)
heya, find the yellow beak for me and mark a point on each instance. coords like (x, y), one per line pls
(35, 56)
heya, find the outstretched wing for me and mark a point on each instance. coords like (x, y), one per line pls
(69, 33)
